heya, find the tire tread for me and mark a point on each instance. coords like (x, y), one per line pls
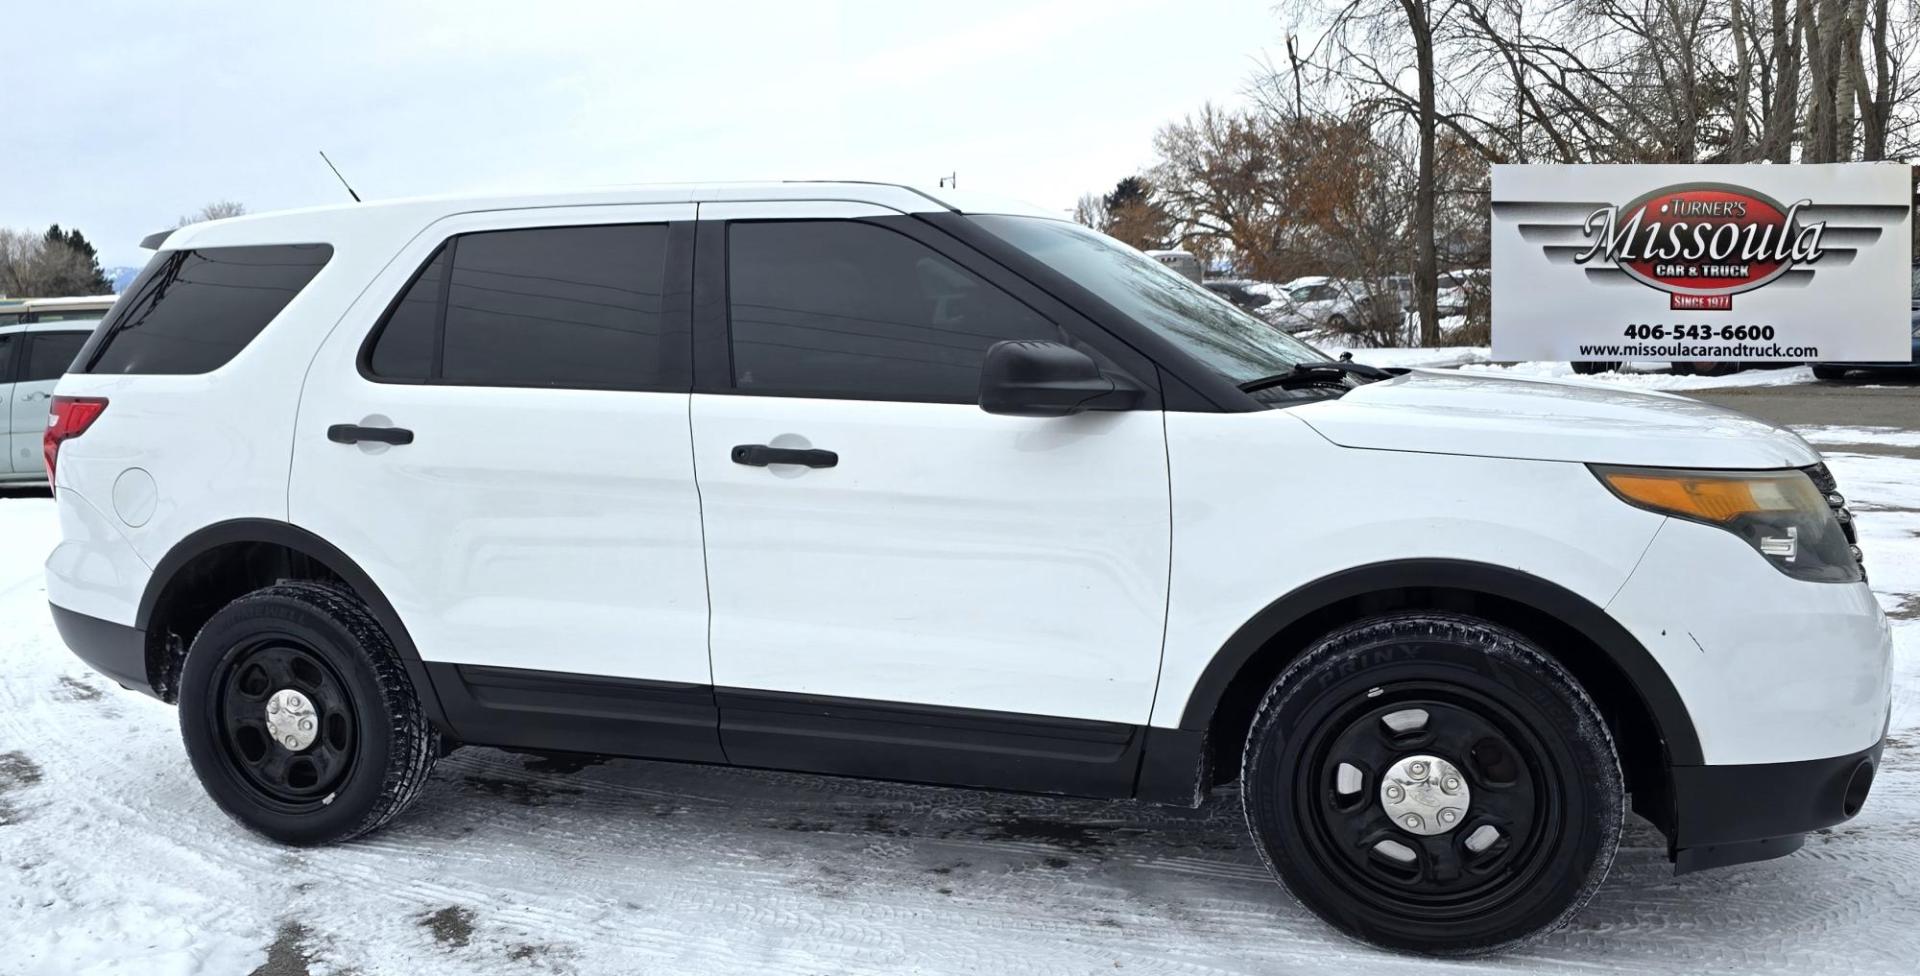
(1497, 641)
(414, 745)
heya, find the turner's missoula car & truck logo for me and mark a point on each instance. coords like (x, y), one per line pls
(1703, 243)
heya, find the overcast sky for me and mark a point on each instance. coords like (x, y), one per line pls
(117, 123)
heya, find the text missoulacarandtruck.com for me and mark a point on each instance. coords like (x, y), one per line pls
(1689, 351)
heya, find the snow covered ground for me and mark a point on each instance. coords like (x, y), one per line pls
(1641, 376)
(1655, 376)
(112, 860)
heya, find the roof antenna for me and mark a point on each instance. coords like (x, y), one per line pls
(336, 175)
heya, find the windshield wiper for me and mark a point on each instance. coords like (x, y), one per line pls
(1315, 372)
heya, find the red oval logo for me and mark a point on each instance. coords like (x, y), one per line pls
(1702, 239)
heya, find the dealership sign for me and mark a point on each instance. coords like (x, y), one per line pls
(1746, 263)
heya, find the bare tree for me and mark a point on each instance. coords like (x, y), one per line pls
(1370, 44)
(1786, 72)
(49, 265)
(217, 210)
(1426, 272)
(1091, 211)
(1440, 89)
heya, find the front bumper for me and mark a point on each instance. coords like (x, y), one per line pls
(1734, 814)
(1772, 670)
(115, 650)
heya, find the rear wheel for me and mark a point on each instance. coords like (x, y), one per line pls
(1829, 372)
(1433, 782)
(1588, 369)
(299, 717)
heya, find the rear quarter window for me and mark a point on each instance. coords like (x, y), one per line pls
(193, 311)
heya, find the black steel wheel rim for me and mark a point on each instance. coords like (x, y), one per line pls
(280, 776)
(1515, 788)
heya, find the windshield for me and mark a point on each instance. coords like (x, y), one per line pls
(1237, 345)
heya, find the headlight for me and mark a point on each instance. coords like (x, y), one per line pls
(1779, 513)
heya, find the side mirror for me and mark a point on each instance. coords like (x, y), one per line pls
(1028, 378)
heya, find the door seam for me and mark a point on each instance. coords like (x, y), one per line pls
(706, 576)
(1166, 608)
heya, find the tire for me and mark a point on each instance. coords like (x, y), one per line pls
(1588, 369)
(1536, 759)
(1337, 323)
(368, 748)
(1829, 372)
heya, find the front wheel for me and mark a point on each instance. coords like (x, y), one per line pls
(1433, 782)
(1830, 372)
(299, 717)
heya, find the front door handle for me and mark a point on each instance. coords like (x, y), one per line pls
(760, 455)
(354, 434)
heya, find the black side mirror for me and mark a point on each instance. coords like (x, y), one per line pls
(1029, 378)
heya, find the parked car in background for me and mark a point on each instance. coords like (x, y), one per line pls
(1181, 261)
(1834, 371)
(1248, 296)
(1459, 289)
(1401, 287)
(1320, 302)
(39, 338)
(85, 308)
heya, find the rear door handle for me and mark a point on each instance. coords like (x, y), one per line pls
(760, 455)
(354, 434)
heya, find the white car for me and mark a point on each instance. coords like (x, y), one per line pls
(38, 339)
(1319, 302)
(866, 480)
(1457, 290)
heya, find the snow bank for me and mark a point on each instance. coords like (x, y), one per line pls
(1888, 436)
(1660, 380)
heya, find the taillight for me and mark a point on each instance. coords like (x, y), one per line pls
(68, 418)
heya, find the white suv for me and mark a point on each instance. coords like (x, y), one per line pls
(864, 480)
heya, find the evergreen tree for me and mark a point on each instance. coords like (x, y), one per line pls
(75, 265)
(1135, 217)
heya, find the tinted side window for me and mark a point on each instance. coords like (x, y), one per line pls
(7, 342)
(546, 307)
(568, 306)
(192, 311)
(405, 345)
(50, 354)
(835, 308)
